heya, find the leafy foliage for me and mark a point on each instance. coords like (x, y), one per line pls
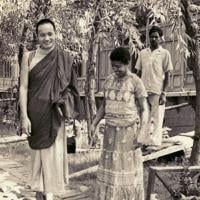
(188, 186)
(11, 22)
(17, 21)
(117, 21)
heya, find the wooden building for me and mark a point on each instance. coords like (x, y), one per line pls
(181, 80)
(9, 74)
(181, 86)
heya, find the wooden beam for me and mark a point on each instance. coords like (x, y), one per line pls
(12, 139)
(8, 99)
(181, 94)
(82, 172)
(174, 168)
(176, 106)
(163, 152)
(188, 134)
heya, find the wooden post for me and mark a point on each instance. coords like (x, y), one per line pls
(151, 182)
(192, 29)
(195, 155)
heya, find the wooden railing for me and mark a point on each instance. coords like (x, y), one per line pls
(6, 83)
(154, 172)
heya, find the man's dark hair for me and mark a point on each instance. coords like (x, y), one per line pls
(120, 54)
(156, 29)
(45, 21)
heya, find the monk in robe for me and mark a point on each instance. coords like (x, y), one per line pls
(48, 95)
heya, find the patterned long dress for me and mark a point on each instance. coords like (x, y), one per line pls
(120, 172)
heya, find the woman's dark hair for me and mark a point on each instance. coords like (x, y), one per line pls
(45, 21)
(156, 29)
(120, 54)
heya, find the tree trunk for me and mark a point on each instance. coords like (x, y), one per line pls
(90, 85)
(195, 155)
(20, 54)
(194, 64)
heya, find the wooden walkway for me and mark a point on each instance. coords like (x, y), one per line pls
(182, 142)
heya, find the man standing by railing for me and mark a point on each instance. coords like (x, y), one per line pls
(154, 66)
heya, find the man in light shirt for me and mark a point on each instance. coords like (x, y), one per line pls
(154, 66)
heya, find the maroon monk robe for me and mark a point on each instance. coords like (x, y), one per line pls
(50, 82)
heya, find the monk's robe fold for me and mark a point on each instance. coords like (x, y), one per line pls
(50, 81)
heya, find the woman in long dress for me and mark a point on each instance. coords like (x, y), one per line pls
(120, 172)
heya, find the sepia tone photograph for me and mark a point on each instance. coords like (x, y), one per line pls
(99, 100)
